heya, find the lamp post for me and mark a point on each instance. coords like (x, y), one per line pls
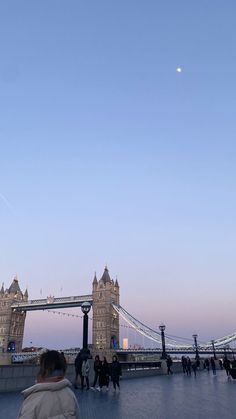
(196, 346)
(213, 348)
(85, 307)
(162, 329)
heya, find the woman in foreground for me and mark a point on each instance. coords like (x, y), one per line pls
(51, 396)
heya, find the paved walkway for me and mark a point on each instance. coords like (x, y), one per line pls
(160, 397)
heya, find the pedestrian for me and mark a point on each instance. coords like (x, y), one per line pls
(207, 364)
(221, 364)
(51, 396)
(184, 364)
(78, 369)
(169, 362)
(97, 369)
(104, 374)
(227, 366)
(115, 372)
(213, 366)
(188, 366)
(85, 372)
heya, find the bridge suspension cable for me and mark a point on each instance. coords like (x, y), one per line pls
(176, 343)
(146, 330)
(171, 341)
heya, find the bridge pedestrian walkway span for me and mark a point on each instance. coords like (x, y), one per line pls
(159, 397)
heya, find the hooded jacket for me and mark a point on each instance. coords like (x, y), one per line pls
(50, 400)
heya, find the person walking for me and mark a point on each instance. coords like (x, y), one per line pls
(184, 364)
(115, 372)
(169, 363)
(227, 366)
(85, 373)
(97, 370)
(52, 395)
(104, 374)
(207, 364)
(213, 366)
(78, 369)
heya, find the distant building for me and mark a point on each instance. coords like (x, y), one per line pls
(125, 343)
(105, 318)
(11, 322)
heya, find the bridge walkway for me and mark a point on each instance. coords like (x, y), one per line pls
(160, 397)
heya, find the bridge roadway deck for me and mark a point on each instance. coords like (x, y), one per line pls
(159, 397)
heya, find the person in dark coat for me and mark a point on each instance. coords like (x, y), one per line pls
(207, 364)
(184, 364)
(104, 374)
(115, 372)
(169, 362)
(227, 366)
(213, 365)
(97, 370)
(78, 369)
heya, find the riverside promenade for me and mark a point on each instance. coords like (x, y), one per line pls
(158, 397)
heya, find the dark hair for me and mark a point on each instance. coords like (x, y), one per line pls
(114, 358)
(50, 362)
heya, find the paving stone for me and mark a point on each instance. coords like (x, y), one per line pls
(159, 397)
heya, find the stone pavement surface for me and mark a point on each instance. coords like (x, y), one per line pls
(160, 397)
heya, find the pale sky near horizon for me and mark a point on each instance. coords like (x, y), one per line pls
(108, 155)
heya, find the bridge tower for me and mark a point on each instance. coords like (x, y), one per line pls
(105, 319)
(11, 323)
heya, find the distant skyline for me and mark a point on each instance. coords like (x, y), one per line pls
(108, 155)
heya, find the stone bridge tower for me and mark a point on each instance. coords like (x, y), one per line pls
(105, 318)
(11, 323)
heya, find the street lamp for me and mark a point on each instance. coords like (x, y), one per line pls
(195, 345)
(213, 348)
(85, 307)
(162, 329)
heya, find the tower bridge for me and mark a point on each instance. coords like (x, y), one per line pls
(106, 314)
(14, 304)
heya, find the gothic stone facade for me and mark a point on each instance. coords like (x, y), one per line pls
(11, 323)
(105, 318)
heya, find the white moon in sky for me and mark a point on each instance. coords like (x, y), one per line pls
(179, 70)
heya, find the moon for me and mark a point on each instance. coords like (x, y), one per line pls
(179, 70)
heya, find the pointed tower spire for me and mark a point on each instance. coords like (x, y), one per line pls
(26, 295)
(116, 283)
(95, 281)
(105, 277)
(14, 287)
(2, 289)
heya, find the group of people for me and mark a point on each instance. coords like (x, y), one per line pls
(52, 395)
(102, 372)
(189, 365)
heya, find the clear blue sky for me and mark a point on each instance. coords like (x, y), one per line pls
(108, 155)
